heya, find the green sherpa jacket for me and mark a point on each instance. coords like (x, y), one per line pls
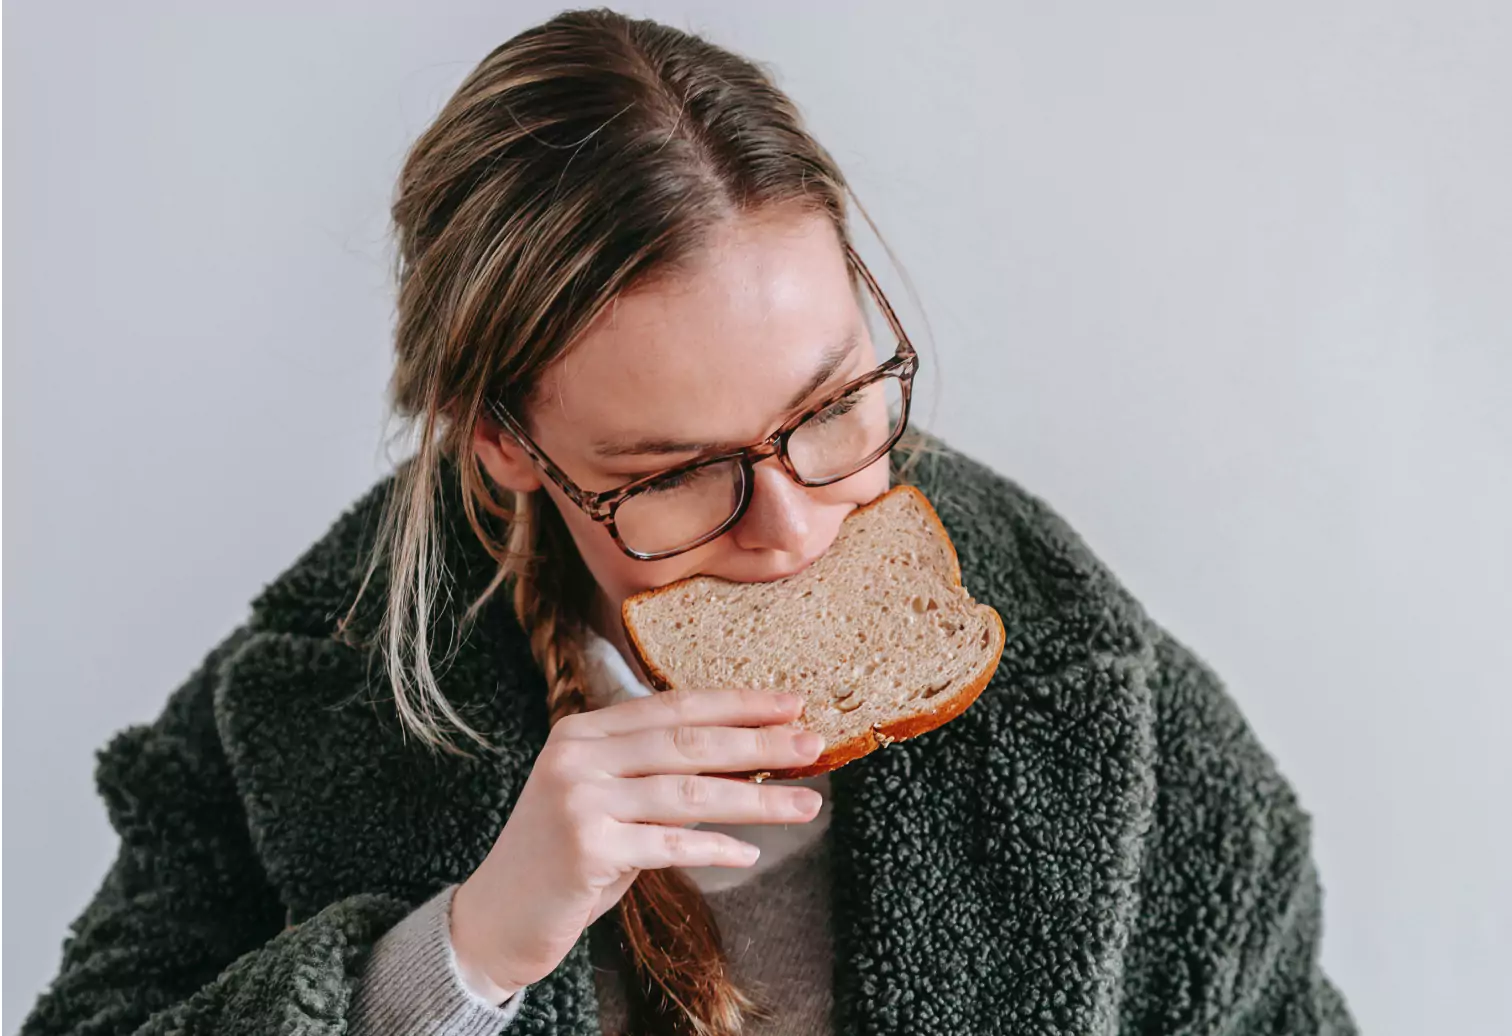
(1098, 845)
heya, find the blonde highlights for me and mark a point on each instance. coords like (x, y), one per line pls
(578, 160)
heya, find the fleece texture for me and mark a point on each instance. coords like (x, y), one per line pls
(1098, 845)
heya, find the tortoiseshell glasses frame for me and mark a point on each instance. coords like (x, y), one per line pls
(602, 506)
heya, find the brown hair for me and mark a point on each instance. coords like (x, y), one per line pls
(576, 161)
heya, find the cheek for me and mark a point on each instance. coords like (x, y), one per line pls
(864, 486)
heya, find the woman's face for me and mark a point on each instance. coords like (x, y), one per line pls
(721, 355)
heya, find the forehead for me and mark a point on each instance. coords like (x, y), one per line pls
(717, 350)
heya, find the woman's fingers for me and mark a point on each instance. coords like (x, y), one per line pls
(730, 708)
(648, 846)
(688, 798)
(701, 749)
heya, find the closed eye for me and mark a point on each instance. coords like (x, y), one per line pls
(681, 480)
(837, 409)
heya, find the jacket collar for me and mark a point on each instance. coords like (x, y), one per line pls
(984, 874)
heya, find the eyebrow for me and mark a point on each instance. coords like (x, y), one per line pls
(832, 360)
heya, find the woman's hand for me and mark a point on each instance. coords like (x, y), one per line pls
(607, 798)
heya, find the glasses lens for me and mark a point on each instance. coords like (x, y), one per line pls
(681, 510)
(849, 433)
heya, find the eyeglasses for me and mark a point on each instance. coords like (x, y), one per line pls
(671, 511)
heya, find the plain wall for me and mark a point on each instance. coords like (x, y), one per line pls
(1227, 284)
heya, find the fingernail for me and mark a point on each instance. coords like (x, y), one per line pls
(807, 800)
(787, 699)
(808, 743)
(749, 852)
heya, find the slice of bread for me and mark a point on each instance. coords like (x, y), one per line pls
(878, 635)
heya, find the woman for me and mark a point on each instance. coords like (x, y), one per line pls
(423, 789)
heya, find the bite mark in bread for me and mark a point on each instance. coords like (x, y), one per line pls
(878, 635)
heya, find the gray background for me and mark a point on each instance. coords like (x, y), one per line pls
(1229, 287)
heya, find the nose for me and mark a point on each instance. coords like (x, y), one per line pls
(782, 516)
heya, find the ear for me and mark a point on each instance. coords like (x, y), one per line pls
(503, 458)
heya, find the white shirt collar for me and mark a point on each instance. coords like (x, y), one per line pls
(607, 677)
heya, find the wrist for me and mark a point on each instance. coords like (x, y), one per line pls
(472, 958)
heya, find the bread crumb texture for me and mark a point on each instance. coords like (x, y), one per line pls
(876, 632)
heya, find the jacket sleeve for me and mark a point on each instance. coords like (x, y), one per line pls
(185, 934)
(1228, 933)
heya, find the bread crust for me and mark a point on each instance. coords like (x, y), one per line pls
(837, 755)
